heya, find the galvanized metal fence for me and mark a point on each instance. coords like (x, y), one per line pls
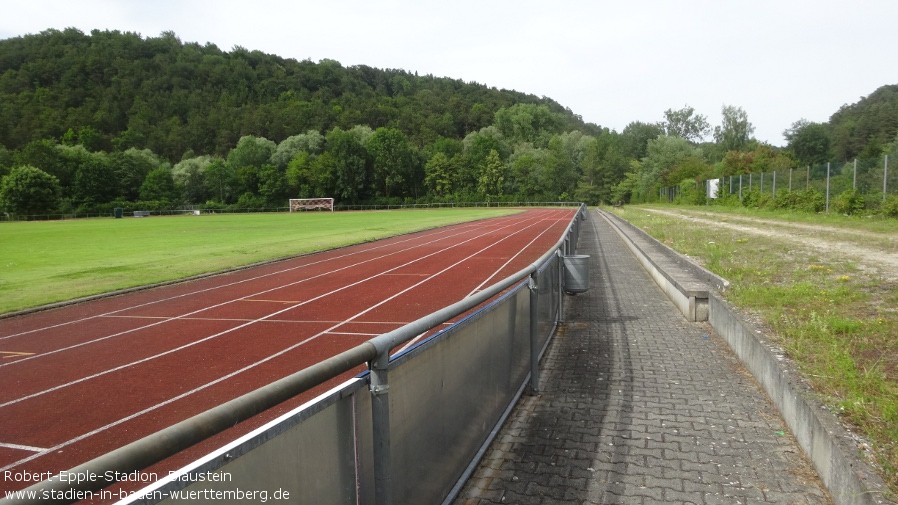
(873, 178)
(411, 430)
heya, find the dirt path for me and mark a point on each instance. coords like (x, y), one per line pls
(874, 253)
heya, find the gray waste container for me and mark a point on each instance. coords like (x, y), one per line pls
(576, 274)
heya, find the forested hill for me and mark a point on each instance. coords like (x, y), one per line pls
(863, 129)
(92, 122)
(174, 97)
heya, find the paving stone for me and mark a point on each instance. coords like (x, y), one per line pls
(639, 406)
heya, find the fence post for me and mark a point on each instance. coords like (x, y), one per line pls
(854, 184)
(534, 333)
(885, 178)
(560, 317)
(827, 187)
(790, 180)
(774, 183)
(380, 414)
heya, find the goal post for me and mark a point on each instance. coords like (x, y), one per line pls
(297, 204)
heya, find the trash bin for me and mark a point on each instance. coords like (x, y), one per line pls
(576, 274)
(117, 212)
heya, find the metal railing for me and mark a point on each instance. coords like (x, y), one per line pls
(454, 390)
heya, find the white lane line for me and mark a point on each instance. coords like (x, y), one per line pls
(252, 365)
(23, 447)
(412, 342)
(229, 284)
(244, 325)
(488, 279)
(187, 315)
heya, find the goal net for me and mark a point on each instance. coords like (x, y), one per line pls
(297, 204)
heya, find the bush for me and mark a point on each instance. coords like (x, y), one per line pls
(765, 201)
(750, 199)
(28, 190)
(690, 193)
(849, 202)
(249, 201)
(889, 207)
(804, 200)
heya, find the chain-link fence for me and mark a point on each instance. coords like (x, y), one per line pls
(870, 181)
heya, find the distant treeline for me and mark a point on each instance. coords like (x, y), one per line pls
(89, 121)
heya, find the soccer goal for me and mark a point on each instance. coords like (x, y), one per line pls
(297, 204)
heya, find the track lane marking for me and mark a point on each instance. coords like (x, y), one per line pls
(475, 290)
(13, 354)
(239, 371)
(186, 316)
(422, 234)
(273, 356)
(245, 324)
(22, 447)
(412, 342)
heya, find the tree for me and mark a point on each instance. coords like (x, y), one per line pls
(438, 175)
(735, 130)
(45, 155)
(663, 155)
(29, 190)
(131, 168)
(311, 142)
(309, 176)
(346, 160)
(6, 161)
(809, 142)
(477, 145)
(95, 180)
(492, 176)
(527, 176)
(526, 122)
(221, 181)
(681, 123)
(160, 186)
(604, 166)
(273, 185)
(190, 176)
(392, 159)
(563, 164)
(251, 151)
(692, 168)
(635, 138)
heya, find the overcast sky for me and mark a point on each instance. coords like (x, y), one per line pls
(611, 62)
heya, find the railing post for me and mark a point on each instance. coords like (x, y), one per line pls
(380, 418)
(559, 318)
(534, 332)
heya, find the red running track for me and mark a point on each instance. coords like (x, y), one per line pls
(82, 380)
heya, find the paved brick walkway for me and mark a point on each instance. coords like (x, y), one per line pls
(639, 406)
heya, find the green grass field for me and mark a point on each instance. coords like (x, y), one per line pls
(52, 261)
